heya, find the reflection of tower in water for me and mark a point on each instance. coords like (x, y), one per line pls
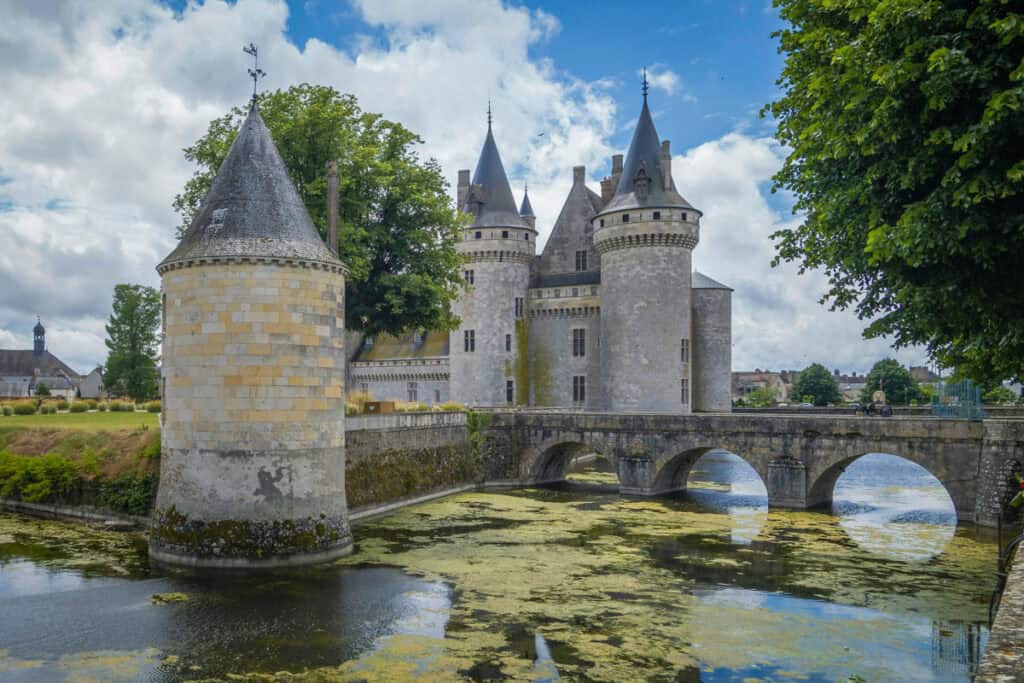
(956, 646)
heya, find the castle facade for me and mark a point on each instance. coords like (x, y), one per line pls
(609, 316)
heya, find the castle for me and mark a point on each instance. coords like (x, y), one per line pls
(610, 316)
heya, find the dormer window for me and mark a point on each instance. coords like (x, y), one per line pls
(368, 343)
(641, 183)
(417, 339)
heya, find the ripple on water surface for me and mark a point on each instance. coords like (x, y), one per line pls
(530, 585)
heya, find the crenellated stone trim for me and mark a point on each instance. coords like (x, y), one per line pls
(411, 376)
(499, 256)
(671, 239)
(566, 312)
(296, 262)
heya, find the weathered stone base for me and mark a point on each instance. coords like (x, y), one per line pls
(176, 540)
(1004, 656)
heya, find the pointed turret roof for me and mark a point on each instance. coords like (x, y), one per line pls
(525, 209)
(497, 205)
(644, 159)
(252, 209)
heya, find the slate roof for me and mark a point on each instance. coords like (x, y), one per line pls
(526, 209)
(389, 347)
(252, 209)
(586, 277)
(702, 281)
(645, 152)
(572, 231)
(498, 205)
(23, 363)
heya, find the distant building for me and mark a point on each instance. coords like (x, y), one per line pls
(850, 386)
(23, 370)
(745, 382)
(923, 375)
(91, 385)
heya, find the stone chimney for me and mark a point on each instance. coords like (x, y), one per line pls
(616, 171)
(332, 206)
(607, 190)
(579, 174)
(463, 191)
(666, 164)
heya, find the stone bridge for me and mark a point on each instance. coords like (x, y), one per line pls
(799, 458)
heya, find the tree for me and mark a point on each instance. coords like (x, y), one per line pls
(397, 226)
(1000, 394)
(42, 389)
(905, 122)
(817, 382)
(132, 338)
(892, 378)
(762, 397)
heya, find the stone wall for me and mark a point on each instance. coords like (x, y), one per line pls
(392, 380)
(711, 353)
(552, 363)
(391, 458)
(1003, 661)
(253, 437)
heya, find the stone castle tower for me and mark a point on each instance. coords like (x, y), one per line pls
(253, 439)
(610, 316)
(488, 355)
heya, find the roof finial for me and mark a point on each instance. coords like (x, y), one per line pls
(255, 73)
(489, 113)
(644, 87)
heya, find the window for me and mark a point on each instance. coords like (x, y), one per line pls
(519, 306)
(602, 222)
(581, 260)
(364, 387)
(504, 234)
(579, 389)
(437, 395)
(508, 342)
(368, 342)
(579, 342)
(575, 291)
(479, 235)
(684, 391)
(558, 293)
(593, 291)
(684, 350)
(469, 276)
(510, 392)
(656, 215)
(684, 215)
(417, 339)
(412, 391)
(469, 341)
(526, 236)
(625, 218)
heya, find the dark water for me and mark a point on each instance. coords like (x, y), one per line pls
(535, 585)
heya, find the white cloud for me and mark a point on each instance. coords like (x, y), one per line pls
(100, 98)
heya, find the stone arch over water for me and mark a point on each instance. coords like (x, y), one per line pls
(550, 461)
(674, 474)
(821, 481)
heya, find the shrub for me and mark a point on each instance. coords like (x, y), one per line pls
(63, 404)
(78, 407)
(128, 493)
(121, 407)
(25, 408)
(7, 409)
(351, 409)
(410, 407)
(151, 449)
(48, 409)
(36, 479)
(358, 399)
(103, 407)
(91, 404)
(153, 407)
(452, 406)
(42, 389)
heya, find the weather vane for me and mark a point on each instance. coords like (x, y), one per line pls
(644, 88)
(255, 73)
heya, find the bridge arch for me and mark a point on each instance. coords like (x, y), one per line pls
(674, 470)
(549, 461)
(952, 476)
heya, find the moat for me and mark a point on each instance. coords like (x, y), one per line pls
(575, 583)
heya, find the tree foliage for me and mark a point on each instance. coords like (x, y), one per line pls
(762, 397)
(906, 123)
(892, 378)
(1000, 394)
(817, 382)
(132, 338)
(397, 227)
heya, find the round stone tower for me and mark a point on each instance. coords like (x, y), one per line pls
(645, 236)
(488, 358)
(253, 440)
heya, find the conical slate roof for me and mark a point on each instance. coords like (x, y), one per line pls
(645, 153)
(498, 207)
(525, 209)
(252, 210)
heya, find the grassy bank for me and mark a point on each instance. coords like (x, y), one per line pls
(105, 460)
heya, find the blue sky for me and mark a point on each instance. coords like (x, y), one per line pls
(100, 99)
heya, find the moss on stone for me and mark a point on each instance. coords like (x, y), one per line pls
(403, 473)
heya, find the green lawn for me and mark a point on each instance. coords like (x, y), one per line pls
(90, 422)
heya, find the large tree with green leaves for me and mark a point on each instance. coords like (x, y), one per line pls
(817, 382)
(397, 225)
(905, 121)
(133, 334)
(892, 378)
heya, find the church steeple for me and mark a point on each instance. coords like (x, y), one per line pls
(38, 338)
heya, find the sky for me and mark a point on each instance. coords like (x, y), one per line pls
(99, 99)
